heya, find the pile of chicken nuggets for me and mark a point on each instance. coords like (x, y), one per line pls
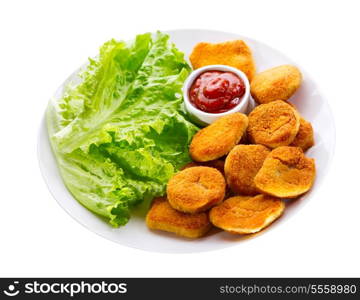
(244, 166)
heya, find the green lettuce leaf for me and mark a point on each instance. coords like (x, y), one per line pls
(120, 133)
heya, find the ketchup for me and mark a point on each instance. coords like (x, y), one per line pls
(216, 91)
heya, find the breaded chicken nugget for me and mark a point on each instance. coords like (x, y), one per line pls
(286, 173)
(235, 53)
(217, 164)
(162, 216)
(243, 214)
(241, 166)
(305, 137)
(196, 189)
(273, 124)
(217, 139)
(278, 83)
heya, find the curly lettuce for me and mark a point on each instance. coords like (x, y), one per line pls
(120, 134)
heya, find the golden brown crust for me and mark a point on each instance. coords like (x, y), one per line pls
(244, 214)
(196, 189)
(273, 124)
(241, 166)
(217, 164)
(162, 216)
(217, 139)
(232, 53)
(278, 83)
(286, 173)
(305, 137)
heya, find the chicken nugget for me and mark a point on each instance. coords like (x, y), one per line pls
(217, 139)
(235, 53)
(286, 173)
(162, 216)
(217, 164)
(196, 189)
(305, 137)
(278, 83)
(241, 166)
(273, 124)
(244, 214)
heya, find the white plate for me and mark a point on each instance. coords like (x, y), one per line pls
(311, 104)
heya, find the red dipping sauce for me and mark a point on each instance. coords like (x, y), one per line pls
(216, 91)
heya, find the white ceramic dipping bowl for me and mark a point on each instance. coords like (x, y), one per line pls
(204, 118)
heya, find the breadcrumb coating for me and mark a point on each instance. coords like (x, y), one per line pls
(162, 216)
(273, 124)
(196, 189)
(278, 83)
(241, 167)
(305, 137)
(235, 53)
(217, 139)
(286, 173)
(245, 214)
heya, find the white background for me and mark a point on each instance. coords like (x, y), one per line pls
(42, 42)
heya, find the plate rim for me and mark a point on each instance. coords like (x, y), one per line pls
(301, 205)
